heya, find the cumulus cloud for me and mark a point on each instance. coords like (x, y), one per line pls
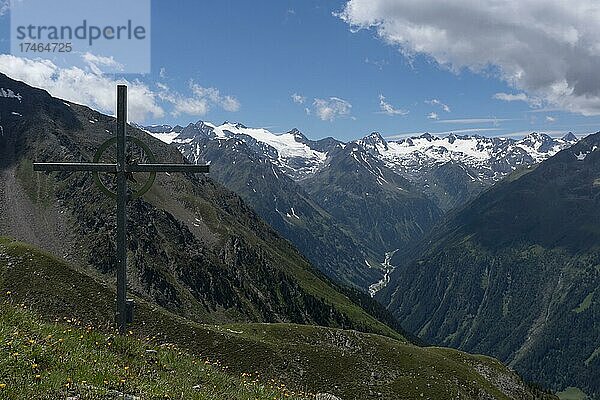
(201, 101)
(548, 49)
(181, 104)
(296, 98)
(332, 108)
(96, 63)
(214, 96)
(433, 116)
(90, 87)
(436, 102)
(325, 109)
(388, 109)
(83, 87)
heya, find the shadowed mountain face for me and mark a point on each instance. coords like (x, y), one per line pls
(516, 273)
(194, 248)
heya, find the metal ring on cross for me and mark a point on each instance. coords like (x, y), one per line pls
(113, 141)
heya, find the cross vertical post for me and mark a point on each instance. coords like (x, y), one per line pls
(121, 209)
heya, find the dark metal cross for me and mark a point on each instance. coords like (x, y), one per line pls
(123, 168)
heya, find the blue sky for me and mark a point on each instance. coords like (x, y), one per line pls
(248, 59)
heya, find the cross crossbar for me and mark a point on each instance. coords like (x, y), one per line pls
(90, 167)
(99, 167)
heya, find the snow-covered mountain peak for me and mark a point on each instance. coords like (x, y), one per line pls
(452, 147)
(427, 136)
(541, 146)
(374, 143)
(296, 155)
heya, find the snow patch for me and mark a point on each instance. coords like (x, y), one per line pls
(8, 93)
(293, 214)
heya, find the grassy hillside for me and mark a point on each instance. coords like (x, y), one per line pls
(349, 364)
(42, 360)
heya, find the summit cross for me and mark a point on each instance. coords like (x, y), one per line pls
(122, 169)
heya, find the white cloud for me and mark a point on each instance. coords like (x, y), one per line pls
(95, 63)
(550, 119)
(511, 97)
(296, 98)
(214, 96)
(200, 103)
(433, 115)
(494, 121)
(83, 87)
(183, 105)
(532, 101)
(332, 108)
(548, 49)
(388, 109)
(436, 102)
(378, 63)
(90, 87)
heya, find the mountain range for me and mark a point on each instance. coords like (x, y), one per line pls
(348, 206)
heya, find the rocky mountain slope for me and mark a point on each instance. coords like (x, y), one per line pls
(195, 248)
(516, 273)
